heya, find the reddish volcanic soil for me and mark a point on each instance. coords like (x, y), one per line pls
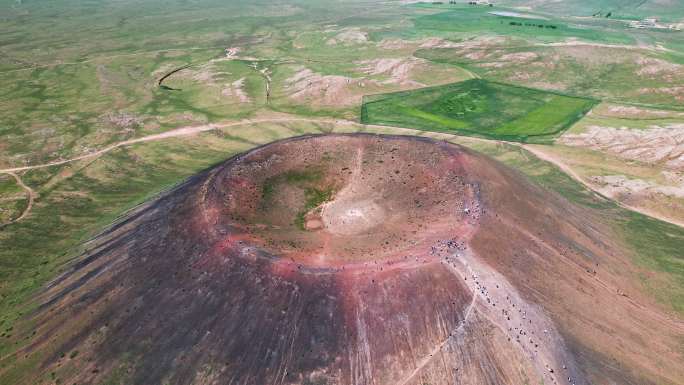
(352, 259)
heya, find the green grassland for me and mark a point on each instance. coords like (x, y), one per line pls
(479, 108)
(69, 70)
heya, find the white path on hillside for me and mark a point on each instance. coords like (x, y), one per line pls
(183, 131)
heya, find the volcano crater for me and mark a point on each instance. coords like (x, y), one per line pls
(334, 259)
(334, 200)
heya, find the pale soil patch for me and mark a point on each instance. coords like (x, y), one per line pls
(396, 44)
(529, 79)
(349, 217)
(205, 74)
(211, 75)
(125, 121)
(652, 66)
(476, 43)
(548, 86)
(519, 57)
(318, 89)
(477, 55)
(236, 89)
(232, 52)
(616, 185)
(431, 42)
(677, 92)
(398, 70)
(596, 56)
(637, 112)
(520, 76)
(582, 167)
(435, 42)
(489, 52)
(495, 64)
(655, 145)
(350, 36)
(479, 43)
(658, 200)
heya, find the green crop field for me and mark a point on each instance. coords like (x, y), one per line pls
(479, 108)
(478, 18)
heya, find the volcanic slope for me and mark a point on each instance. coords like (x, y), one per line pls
(352, 259)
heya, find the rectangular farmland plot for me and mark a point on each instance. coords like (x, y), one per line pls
(479, 108)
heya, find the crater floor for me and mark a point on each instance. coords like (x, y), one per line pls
(335, 200)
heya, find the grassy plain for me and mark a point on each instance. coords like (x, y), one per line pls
(479, 108)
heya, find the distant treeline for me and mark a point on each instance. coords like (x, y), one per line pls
(520, 24)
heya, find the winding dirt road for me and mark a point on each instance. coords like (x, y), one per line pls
(194, 130)
(31, 196)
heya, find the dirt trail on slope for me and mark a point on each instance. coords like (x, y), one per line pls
(656, 144)
(568, 170)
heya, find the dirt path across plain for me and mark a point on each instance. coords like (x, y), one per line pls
(194, 130)
(31, 196)
(182, 131)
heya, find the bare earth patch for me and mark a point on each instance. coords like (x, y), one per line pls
(677, 92)
(652, 67)
(125, 121)
(638, 113)
(616, 185)
(519, 57)
(350, 36)
(655, 145)
(398, 69)
(663, 200)
(236, 89)
(306, 85)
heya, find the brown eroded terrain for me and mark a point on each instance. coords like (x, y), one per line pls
(354, 259)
